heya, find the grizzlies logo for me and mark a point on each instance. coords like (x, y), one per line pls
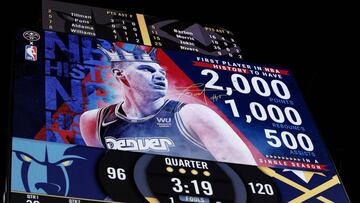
(41, 167)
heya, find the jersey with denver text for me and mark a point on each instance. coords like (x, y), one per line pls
(163, 133)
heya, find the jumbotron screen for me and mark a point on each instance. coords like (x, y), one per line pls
(110, 106)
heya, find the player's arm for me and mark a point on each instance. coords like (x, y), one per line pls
(88, 129)
(217, 136)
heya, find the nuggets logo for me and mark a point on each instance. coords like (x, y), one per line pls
(142, 144)
(314, 185)
(31, 53)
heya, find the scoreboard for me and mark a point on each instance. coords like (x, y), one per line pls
(113, 106)
(139, 29)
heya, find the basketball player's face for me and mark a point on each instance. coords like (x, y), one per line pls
(147, 78)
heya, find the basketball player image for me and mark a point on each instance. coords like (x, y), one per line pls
(146, 121)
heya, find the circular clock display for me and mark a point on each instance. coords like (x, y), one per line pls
(171, 179)
(137, 177)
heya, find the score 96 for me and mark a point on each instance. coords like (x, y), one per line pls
(116, 173)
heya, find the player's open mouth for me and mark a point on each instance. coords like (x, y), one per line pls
(160, 84)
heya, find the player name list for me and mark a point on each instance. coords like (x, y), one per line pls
(138, 29)
(89, 21)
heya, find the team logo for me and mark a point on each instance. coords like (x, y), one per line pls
(314, 185)
(42, 168)
(163, 122)
(140, 144)
(31, 50)
(31, 36)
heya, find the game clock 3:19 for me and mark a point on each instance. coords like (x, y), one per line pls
(137, 177)
(198, 187)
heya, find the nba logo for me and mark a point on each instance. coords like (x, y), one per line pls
(30, 53)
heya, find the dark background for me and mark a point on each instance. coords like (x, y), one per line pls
(311, 40)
